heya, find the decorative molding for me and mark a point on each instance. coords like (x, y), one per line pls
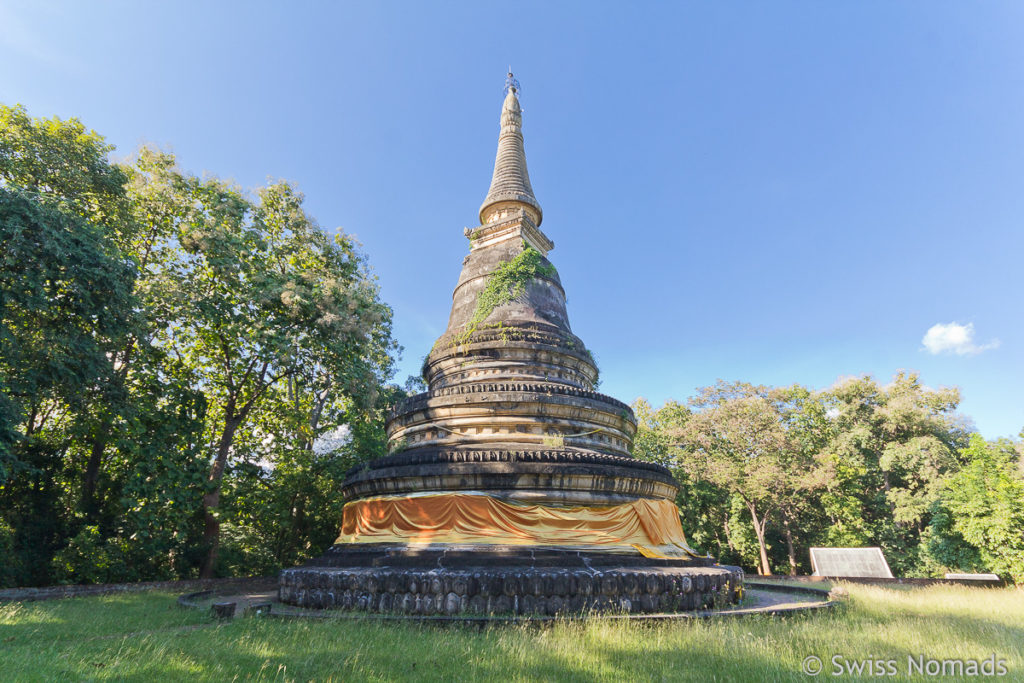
(430, 456)
(517, 225)
(419, 401)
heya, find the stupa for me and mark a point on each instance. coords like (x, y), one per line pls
(510, 488)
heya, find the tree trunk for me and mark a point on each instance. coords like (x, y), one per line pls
(92, 472)
(789, 545)
(30, 426)
(211, 526)
(759, 526)
(887, 485)
(100, 438)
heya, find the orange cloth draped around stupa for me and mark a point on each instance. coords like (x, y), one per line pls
(649, 526)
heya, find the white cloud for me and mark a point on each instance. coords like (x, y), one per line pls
(954, 338)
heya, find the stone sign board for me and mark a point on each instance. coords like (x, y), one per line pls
(850, 562)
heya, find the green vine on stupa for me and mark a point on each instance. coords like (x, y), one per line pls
(506, 283)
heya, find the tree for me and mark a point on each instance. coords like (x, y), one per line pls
(286, 479)
(65, 302)
(986, 501)
(944, 549)
(63, 167)
(889, 449)
(259, 298)
(704, 507)
(125, 444)
(744, 439)
(64, 161)
(238, 324)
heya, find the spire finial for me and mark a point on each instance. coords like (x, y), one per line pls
(510, 184)
(511, 84)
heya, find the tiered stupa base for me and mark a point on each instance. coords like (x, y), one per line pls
(510, 530)
(505, 580)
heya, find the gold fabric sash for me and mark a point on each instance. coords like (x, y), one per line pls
(649, 526)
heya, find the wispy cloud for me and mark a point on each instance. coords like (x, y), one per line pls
(954, 338)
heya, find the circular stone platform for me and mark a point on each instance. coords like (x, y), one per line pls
(764, 599)
(505, 580)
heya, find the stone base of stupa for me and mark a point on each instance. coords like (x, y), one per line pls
(505, 580)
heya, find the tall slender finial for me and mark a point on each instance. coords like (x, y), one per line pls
(510, 184)
(511, 84)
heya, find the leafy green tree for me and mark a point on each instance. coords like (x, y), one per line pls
(856, 465)
(109, 423)
(986, 501)
(65, 161)
(65, 301)
(63, 165)
(944, 549)
(257, 299)
(746, 440)
(287, 486)
(704, 507)
(889, 449)
(243, 335)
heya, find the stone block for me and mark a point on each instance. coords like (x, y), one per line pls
(223, 610)
(502, 605)
(611, 584)
(555, 605)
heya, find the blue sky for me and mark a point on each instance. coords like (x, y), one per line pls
(772, 192)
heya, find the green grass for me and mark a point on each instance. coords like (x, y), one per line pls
(145, 636)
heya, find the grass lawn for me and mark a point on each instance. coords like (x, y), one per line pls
(146, 636)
